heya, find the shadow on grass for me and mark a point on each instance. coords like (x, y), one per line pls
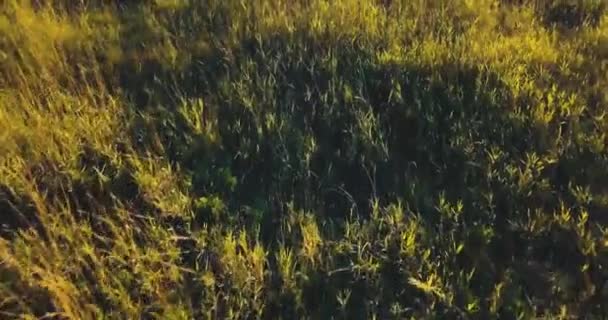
(329, 129)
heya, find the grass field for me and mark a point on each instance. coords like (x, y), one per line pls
(318, 159)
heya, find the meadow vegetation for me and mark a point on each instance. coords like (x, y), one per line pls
(347, 159)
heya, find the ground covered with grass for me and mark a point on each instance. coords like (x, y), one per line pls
(348, 159)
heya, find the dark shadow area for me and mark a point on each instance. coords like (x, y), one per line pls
(565, 14)
(17, 213)
(328, 129)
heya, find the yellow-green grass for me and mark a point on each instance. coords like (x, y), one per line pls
(303, 159)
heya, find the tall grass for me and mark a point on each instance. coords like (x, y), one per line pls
(303, 159)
